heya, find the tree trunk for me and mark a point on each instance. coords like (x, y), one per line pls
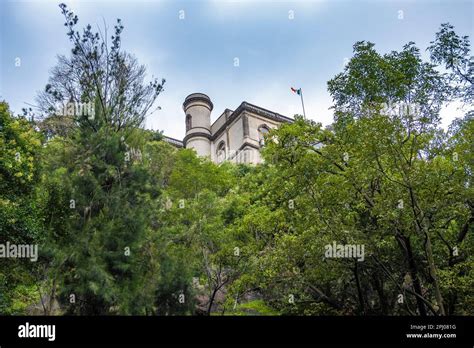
(406, 246)
(378, 284)
(434, 276)
(359, 290)
(211, 300)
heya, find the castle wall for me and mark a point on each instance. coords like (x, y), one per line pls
(219, 122)
(201, 145)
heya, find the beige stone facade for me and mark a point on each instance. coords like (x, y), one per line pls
(235, 136)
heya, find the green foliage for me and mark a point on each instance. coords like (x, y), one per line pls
(255, 307)
(453, 51)
(20, 220)
(371, 81)
(129, 225)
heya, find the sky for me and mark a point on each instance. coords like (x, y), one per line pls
(231, 50)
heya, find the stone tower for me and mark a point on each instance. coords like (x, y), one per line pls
(198, 107)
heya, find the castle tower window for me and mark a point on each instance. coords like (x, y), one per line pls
(262, 132)
(189, 124)
(221, 155)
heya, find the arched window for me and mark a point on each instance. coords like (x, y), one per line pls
(221, 152)
(189, 124)
(262, 132)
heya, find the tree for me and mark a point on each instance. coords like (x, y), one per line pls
(105, 83)
(103, 187)
(452, 51)
(398, 82)
(20, 220)
(193, 225)
(381, 177)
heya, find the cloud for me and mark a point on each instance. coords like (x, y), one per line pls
(451, 111)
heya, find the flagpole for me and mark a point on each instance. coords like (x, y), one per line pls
(302, 103)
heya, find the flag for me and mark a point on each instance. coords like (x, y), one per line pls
(300, 93)
(297, 91)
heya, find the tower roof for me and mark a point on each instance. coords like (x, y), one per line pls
(197, 97)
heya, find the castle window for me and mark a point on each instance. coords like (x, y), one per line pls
(262, 132)
(188, 122)
(221, 156)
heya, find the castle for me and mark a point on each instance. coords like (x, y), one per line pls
(235, 136)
